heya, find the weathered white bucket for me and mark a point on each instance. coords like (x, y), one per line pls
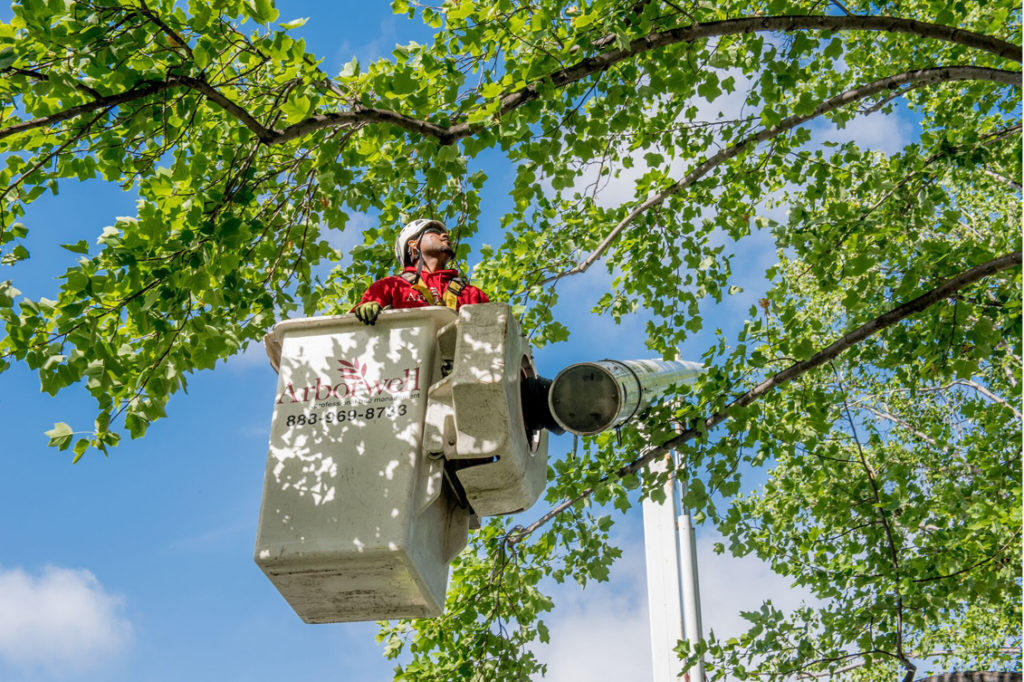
(354, 524)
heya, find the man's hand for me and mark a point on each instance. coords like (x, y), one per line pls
(367, 312)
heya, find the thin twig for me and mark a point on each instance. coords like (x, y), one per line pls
(896, 420)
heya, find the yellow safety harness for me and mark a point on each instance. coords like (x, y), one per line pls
(451, 293)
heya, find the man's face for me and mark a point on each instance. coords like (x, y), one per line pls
(433, 242)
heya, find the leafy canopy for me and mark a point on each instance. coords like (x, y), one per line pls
(877, 381)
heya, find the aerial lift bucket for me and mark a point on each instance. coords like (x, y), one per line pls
(385, 440)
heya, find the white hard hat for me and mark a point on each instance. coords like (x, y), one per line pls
(412, 231)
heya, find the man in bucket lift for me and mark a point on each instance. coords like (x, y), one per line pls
(423, 250)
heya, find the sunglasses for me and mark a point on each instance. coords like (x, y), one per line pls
(435, 230)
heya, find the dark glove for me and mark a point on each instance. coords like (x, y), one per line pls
(367, 312)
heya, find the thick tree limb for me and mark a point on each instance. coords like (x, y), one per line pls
(560, 78)
(782, 24)
(214, 95)
(138, 91)
(897, 314)
(360, 116)
(591, 65)
(944, 74)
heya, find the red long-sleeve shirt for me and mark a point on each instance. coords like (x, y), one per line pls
(396, 292)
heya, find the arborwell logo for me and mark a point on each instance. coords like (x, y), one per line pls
(354, 382)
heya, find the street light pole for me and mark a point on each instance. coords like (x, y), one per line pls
(673, 591)
(691, 585)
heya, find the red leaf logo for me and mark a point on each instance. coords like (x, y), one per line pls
(352, 370)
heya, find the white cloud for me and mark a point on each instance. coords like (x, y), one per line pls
(259, 430)
(602, 634)
(607, 640)
(731, 584)
(59, 621)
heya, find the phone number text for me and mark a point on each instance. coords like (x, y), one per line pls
(339, 416)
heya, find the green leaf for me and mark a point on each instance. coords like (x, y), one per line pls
(462, 10)
(81, 445)
(200, 55)
(81, 246)
(350, 69)
(263, 11)
(60, 436)
(7, 57)
(296, 108)
(18, 253)
(708, 88)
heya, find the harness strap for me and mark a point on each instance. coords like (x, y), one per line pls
(451, 293)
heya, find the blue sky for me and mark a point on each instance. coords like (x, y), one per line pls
(139, 567)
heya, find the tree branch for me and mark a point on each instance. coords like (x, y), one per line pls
(137, 91)
(900, 422)
(952, 677)
(991, 396)
(973, 676)
(560, 78)
(40, 76)
(72, 139)
(799, 672)
(943, 74)
(1003, 179)
(781, 24)
(945, 151)
(968, 569)
(883, 515)
(950, 652)
(362, 115)
(897, 314)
